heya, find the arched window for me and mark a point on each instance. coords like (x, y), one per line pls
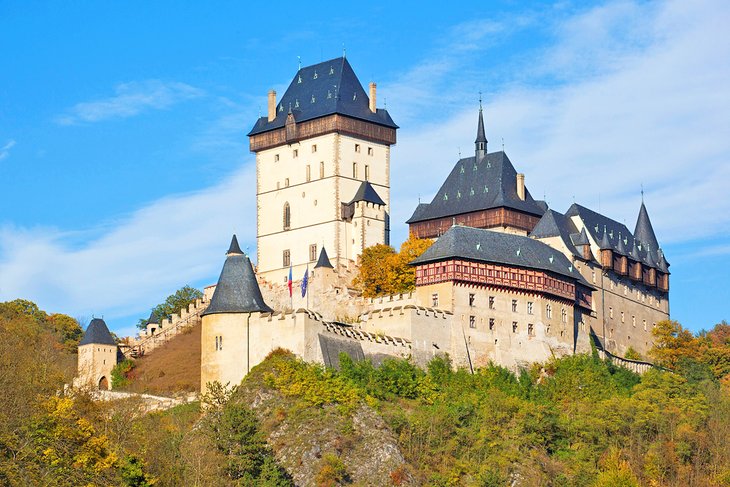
(287, 216)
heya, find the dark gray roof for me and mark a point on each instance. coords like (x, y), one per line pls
(608, 232)
(153, 319)
(324, 89)
(554, 224)
(644, 232)
(97, 333)
(662, 263)
(481, 245)
(366, 192)
(634, 252)
(481, 137)
(475, 185)
(237, 290)
(234, 248)
(324, 260)
(581, 238)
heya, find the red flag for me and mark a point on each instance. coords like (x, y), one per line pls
(289, 283)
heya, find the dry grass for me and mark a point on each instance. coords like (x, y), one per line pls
(171, 368)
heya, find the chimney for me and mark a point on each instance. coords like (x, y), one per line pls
(372, 97)
(272, 105)
(521, 186)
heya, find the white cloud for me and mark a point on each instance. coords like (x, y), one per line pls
(177, 240)
(656, 114)
(131, 99)
(5, 150)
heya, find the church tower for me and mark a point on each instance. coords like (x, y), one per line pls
(322, 171)
(97, 356)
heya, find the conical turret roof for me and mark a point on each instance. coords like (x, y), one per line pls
(237, 290)
(634, 253)
(662, 264)
(234, 248)
(97, 333)
(152, 319)
(644, 232)
(324, 260)
(605, 243)
(582, 238)
(620, 247)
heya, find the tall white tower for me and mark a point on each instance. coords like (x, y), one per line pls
(322, 171)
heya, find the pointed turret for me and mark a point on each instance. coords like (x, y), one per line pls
(644, 232)
(152, 320)
(481, 142)
(620, 247)
(662, 264)
(605, 243)
(324, 260)
(634, 253)
(237, 290)
(582, 238)
(97, 333)
(234, 247)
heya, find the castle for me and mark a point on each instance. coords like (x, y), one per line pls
(507, 279)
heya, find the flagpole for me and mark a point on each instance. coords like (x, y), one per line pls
(307, 293)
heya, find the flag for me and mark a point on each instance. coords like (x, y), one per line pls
(289, 283)
(305, 281)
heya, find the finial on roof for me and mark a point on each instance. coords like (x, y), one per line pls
(234, 248)
(344, 51)
(642, 193)
(480, 100)
(299, 62)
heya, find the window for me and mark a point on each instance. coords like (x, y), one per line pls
(514, 327)
(471, 299)
(219, 342)
(276, 157)
(357, 147)
(321, 170)
(286, 182)
(295, 153)
(472, 322)
(287, 258)
(354, 170)
(531, 330)
(529, 307)
(610, 312)
(633, 321)
(644, 325)
(549, 311)
(623, 320)
(491, 323)
(435, 300)
(314, 148)
(564, 315)
(313, 252)
(367, 172)
(514, 306)
(370, 151)
(309, 173)
(491, 302)
(287, 216)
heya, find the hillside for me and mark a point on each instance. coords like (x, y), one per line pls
(174, 367)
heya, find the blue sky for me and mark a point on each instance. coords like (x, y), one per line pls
(125, 166)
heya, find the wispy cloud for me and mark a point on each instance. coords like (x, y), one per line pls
(5, 150)
(130, 99)
(656, 115)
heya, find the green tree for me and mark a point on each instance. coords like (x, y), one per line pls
(180, 299)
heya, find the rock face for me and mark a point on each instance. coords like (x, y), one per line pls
(304, 438)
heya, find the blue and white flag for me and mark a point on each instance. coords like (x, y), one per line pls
(305, 281)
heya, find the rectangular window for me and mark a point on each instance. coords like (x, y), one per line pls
(529, 307)
(287, 258)
(309, 173)
(354, 170)
(623, 320)
(610, 312)
(564, 315)
(295, 153)
(514, 327)
(314, 148)
(472, 322)
(435, 300)
(313, 252)
(370, 151)
(531, 330)
(219, 342)
(286, 182)
(357, 147)
(633, 321)
(644, 325)
(367, 172)
(514, 306)
(471, 299)
(549, 311)
(491, 323)
(321, 170)
(276, 157)
(491, 302)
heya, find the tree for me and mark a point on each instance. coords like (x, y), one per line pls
(383, 271)
(172, 304)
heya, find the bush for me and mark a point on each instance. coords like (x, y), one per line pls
(122, 374)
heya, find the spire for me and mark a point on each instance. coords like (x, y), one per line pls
(97, 333)
(634, 253)
(662, 264)
(620, 247)
(644, 232)
(153, 319)
(324, 260)
(481, 142)
(234, 248)
(605, 243)
(237, 290)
